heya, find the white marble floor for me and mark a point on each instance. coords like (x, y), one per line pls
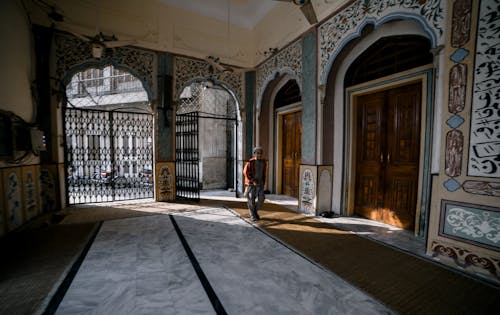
(140, 266)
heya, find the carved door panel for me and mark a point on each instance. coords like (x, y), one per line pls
(402, 156)
(387, 158)
(291, 153)
(369, 152)
(298, 152)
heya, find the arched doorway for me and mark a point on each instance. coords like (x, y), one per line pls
(108, 127)
(288, 112)
(387, 131)
(208, 139)
(340, 118)
(280, 133)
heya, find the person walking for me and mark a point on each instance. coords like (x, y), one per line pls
(255, 172)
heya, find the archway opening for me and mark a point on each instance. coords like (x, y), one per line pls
(387, 56)
(207, 141)
(288, 119)
(386, 142)
(108, 125)
(288, 94)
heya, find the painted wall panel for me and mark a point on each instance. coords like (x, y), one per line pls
(30, 191)
(309, 99)
(475, 224)
(484, 152)
(12, 182)
(3, 228)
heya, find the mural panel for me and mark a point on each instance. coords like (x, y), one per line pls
(325, 188)
(466, 259)
(307, 188)
(474, 224)
(482, 188)
(484, 150)
(2, 207)
(461, 23)
(288, 60)
(48, 175)
(13, 197)
(454, 148)
(458, 82)
(165, 181)
(30, 191)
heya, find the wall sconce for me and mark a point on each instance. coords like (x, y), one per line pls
(97, 50)
(322, 93)
(270, 52)
(208, 84)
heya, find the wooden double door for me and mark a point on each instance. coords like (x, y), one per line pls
(387, 155)
(291, 152)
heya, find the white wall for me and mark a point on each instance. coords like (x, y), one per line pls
(161, 27)
(15, 60)
(272, 34)
(154, 26)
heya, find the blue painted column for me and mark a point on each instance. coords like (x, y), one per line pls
(165, 118)
(309, 99)
(249, 113)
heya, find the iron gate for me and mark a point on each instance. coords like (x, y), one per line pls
(187, 166)
(109, 155)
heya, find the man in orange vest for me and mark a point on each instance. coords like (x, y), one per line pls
(255, 172)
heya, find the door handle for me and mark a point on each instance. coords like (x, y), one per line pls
(381, 157)
(388, 158)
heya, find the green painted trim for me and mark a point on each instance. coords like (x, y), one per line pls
(309, 112)
(165, 116)
(249, 112)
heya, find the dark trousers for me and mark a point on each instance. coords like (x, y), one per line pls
(255, 199)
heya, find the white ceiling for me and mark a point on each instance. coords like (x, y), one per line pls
(244, 13)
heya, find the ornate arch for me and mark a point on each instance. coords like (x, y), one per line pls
(341, 110)
(73, 55)
(187, 70)
(340, 29)
(288, 61)
(234, 112)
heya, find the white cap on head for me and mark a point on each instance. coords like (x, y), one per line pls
(257, 149)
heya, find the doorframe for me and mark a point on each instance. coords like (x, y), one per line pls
(278, 122)
(422, 74)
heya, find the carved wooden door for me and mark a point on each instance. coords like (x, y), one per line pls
(388, 148)
(291, 153)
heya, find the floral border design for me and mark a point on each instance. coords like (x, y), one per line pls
(467, 259)
(288, 60)
(474, 224)
(482, 188)
(344, 24)
(188, 69)
(165, 181)
(72, 52)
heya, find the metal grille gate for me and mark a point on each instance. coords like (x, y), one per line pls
(109, 155)
(187, 166)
